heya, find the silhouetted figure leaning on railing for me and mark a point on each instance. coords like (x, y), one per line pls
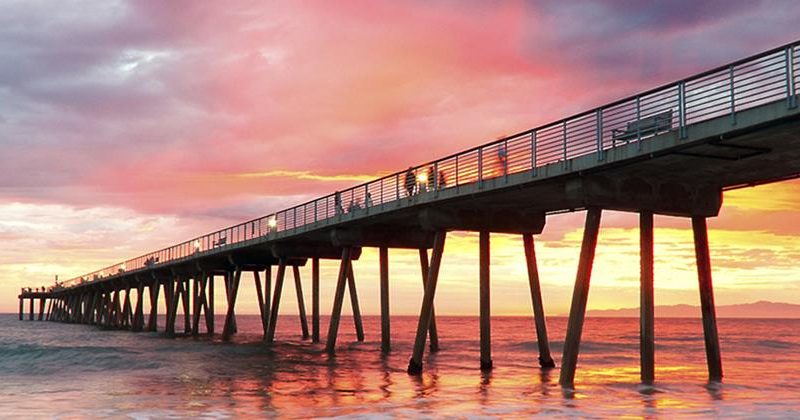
(410, 181)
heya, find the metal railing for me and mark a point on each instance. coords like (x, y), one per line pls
(766, 77)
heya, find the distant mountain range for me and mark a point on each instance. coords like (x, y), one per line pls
(760, 309)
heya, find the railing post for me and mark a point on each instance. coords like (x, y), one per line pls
(638, 121)
(457, 184)
(599, 133)
(480, 167)
(397, 187)
(366, 194)
(682, 109)
(533, 153)
(565, 143)
(436, 185)
(791, 100)
(732, 96)
(505, 164)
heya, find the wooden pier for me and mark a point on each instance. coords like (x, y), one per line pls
(712, 136)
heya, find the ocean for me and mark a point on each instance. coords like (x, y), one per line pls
(77, 371)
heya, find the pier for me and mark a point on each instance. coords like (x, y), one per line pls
(672, 150)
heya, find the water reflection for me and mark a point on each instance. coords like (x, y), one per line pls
(486, 382)
(148, 376)
(715, 390)
(386, 378)
(545, 378)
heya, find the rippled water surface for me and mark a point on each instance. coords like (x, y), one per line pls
(49, 369)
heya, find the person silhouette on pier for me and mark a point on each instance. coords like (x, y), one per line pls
(431, 178)
(410, 182)
(337, 203)
(502, 158)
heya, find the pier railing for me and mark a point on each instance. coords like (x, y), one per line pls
(763, 78)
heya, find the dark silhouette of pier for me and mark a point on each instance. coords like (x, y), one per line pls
(671, 150)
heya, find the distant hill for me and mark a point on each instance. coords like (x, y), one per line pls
(760, 309)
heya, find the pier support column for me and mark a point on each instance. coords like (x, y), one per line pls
(545, 359)
(713, 356)
(41, 309)
(175, 292)
(338, 298)
(152, 321)
(210, 305)
(230, 317)
(580, 295)
(118, 313)
(268, 296)
(315, 300)
(30, 309)
(276, 300)
(262, 311)
(112, 309)
(229, 275)
(426, 312)
(187, 314)
(21, 307)
(196, 304)
(138, 314)
(646, 300)
(301, 304)
(49, 315)
(386, 336)
(127, 311)
(94, 311)
(199, 301)
(485, 301)
(432, 330)
(351, 283)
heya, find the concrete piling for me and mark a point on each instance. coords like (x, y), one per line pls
(485, 302)
(315, 300)
(351, 285)
(262, 310)
(707, 307)
(230, 316)
(426, 312)
(276, 301)
(646, 304)
(545, 359)
(338, 299)
(301, 306)
(580, 296)
(432, 330)
(383, 263)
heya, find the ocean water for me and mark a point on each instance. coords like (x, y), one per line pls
(77, 371)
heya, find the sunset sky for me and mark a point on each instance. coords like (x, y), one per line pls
(126, 126)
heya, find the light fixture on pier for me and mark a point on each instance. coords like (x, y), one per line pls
(196, 245)
(422, 178)
(272, 223)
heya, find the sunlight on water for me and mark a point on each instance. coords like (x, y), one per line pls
(78, 371)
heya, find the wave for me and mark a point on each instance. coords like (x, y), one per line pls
(39, 359)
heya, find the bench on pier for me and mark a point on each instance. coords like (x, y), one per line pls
(653, 124)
